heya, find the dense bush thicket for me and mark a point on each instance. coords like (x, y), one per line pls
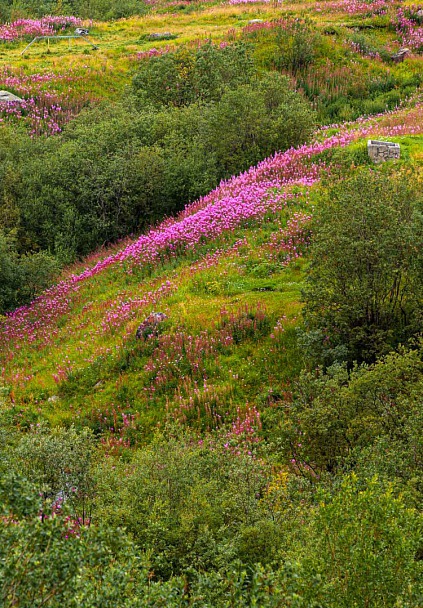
(189, 522)
(22, 277)
(187, 76)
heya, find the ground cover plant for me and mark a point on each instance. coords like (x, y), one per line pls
(261, 444)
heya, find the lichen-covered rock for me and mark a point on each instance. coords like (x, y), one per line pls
(401, 55)
(149, 326)
(161, 36)
(6, 96)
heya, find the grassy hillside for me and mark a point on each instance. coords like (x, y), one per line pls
(227, 272)
(236, 454)
(351, 55)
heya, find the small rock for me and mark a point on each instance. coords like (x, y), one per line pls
(6, 96)
(253, 21)
(401, 55)
(149, 326)
(161, 36)
(53, 399)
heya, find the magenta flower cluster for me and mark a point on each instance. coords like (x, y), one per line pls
(44, 112)
(409, 28)
(243, 433)
(26, 28)
(357, 48)
(234, 2)
(290, 243)
(29, 84)
(129, 308)
(359, 7)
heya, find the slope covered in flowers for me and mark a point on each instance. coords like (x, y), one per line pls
(227, 272)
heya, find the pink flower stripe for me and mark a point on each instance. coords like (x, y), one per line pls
(233, 2)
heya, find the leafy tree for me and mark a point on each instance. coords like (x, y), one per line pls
(364, 290)
(52, 562)
(253, 121)
(22, 277)
(186, 503)
(9, 281)
(359, 540)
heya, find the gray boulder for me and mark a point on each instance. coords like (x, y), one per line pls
(150, 325)
(401, 55)
(161, 36)
(6, 97)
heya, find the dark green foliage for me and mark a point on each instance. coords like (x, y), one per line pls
(60, 462)
(212, 526)
(188, 503)
(340, 413)
(297, 42)
(87, 9)
(328, 512)
(187, 76)
(107, 9)
(44, 563)
(360, 537)
(22, 277)
(251, 122)
(363, 294)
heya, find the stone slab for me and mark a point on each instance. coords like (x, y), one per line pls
(381, 151)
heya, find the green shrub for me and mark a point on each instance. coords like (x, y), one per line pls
(363, 292)
(22, 277)
(362, 543)
(186, 75)
(340, 413)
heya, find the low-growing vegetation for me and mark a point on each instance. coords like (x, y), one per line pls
(210, 306)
